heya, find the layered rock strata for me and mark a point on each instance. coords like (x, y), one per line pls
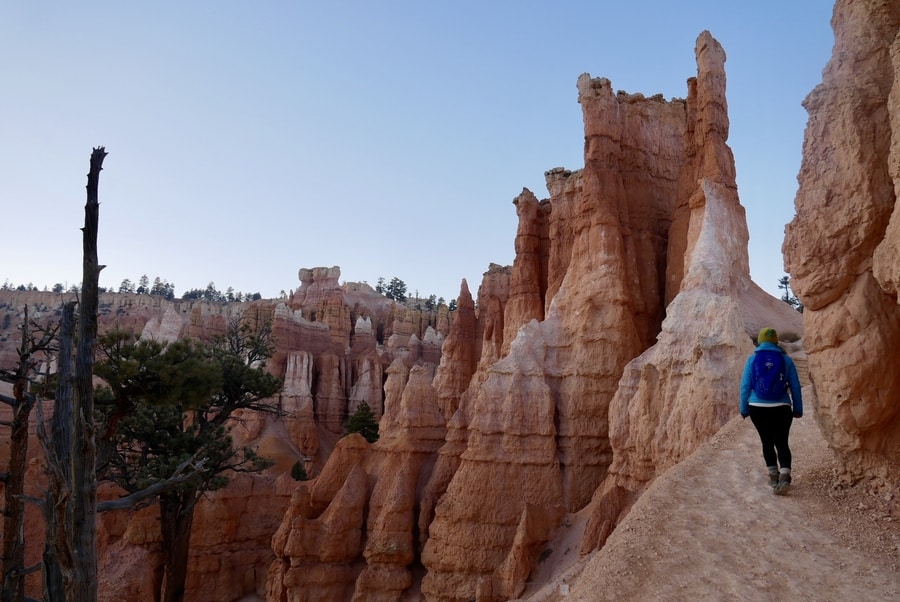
(681, 390)
(609, 351)
(587, 400)
(330, 358)
(366, 497)
(842, 248)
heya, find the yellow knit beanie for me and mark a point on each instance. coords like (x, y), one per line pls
(767, 335)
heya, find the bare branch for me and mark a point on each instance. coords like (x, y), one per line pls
(36, 501)
(262, 406)
(12, 401)
(34, 568)
(135, 498)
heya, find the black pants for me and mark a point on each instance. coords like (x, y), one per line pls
(774, 425)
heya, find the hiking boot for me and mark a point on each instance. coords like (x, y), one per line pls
(773, 477)
(783, 484)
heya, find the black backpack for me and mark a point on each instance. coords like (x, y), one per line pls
(769, 378)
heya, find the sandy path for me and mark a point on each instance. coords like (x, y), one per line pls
(711, 529)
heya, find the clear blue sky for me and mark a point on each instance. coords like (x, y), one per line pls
(247, 140)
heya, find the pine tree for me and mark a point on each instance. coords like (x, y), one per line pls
(788, 297)
(158, 288)
(363, 422)
(396, 290)
(170, 405)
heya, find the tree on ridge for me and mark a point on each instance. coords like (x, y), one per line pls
(788, 297)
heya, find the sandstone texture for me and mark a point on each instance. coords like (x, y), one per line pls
(648, 315)
(575, 383)
(842, 248)
(608, 352)
(331, 354)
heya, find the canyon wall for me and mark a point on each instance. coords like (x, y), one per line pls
(335, 344)
(842, 248)
(682, 389)
(610, 350)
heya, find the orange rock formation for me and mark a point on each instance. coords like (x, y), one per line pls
(842, 248)
(607, 353)
(329, 353)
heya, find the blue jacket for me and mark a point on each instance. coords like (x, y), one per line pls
(795, 400)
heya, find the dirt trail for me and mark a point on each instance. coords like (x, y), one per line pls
(711, 529)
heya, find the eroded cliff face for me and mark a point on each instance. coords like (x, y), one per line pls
(679, 392)
(842, 248)
(351, 531)
(334, 345)
(654, 216)
(609, 351)
(533, 423)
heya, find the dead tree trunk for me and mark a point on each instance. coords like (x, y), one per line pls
(37, 344)
(14, 510)
(58, 552)
(72, 509)
(84, 473)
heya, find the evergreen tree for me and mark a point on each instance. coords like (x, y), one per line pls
(158, 288)
(170, 405)
(212, 293)
(143, 285)
(396, 290)
(363, 422)
(788, 297)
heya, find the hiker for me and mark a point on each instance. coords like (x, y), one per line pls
(770, 395)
